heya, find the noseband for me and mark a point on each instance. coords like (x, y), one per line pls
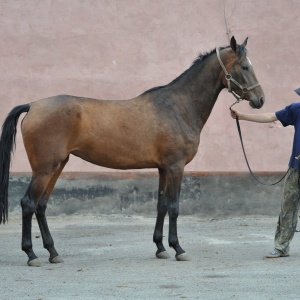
(229, 78)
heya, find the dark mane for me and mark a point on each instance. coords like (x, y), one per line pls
(198, 60)
(202, 56)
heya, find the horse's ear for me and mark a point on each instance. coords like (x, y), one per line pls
(234, 45)
(245, 42)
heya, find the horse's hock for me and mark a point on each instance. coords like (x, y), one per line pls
(207, 194)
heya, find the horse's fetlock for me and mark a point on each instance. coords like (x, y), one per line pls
(157, 238)
(27, 246)
(173, 242)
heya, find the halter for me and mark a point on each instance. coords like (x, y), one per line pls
(229, 78)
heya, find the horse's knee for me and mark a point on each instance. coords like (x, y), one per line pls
(28, 206)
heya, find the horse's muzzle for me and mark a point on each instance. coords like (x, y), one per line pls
(257, 104)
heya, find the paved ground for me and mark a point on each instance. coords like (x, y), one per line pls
(112, 257)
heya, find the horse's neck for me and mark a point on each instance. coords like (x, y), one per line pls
(198, 91)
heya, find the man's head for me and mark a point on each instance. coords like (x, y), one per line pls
(298, 91)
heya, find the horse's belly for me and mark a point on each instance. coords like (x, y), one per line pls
(117, 159)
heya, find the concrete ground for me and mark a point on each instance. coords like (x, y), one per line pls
(112, 257)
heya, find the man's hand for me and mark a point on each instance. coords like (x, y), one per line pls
(234, 113)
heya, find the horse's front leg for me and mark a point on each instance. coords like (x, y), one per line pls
(162, 209)
(174, 179)
(168, 201)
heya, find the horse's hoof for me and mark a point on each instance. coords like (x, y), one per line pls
(163, 254)
(56, 260)
(182, 257)
(34, 263)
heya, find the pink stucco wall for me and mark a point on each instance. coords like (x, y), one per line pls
(116, 49)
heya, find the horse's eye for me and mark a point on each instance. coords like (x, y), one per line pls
(245, 67)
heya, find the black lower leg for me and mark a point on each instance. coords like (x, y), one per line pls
(161, 213)
(173, 238)
(173, 193)
(46, 235)
(28, 208)
(158, 234)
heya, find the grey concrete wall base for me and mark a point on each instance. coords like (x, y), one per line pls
(206, 194)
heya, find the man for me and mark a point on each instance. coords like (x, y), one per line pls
(288, 216)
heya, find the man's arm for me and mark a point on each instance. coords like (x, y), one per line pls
(259, 118)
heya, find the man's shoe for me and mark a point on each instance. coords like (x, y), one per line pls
(276, 253)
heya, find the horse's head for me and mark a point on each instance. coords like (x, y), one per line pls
(238, 74)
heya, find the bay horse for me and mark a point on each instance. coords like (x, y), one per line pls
(158, 129)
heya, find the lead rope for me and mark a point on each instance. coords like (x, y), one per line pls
(252, 174)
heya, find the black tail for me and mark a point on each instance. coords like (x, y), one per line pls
(7, 145)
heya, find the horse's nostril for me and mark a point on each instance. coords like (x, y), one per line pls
(261, 101)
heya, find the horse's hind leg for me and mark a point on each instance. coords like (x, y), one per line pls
(40, 186)
(41, 217)
(29, 202)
